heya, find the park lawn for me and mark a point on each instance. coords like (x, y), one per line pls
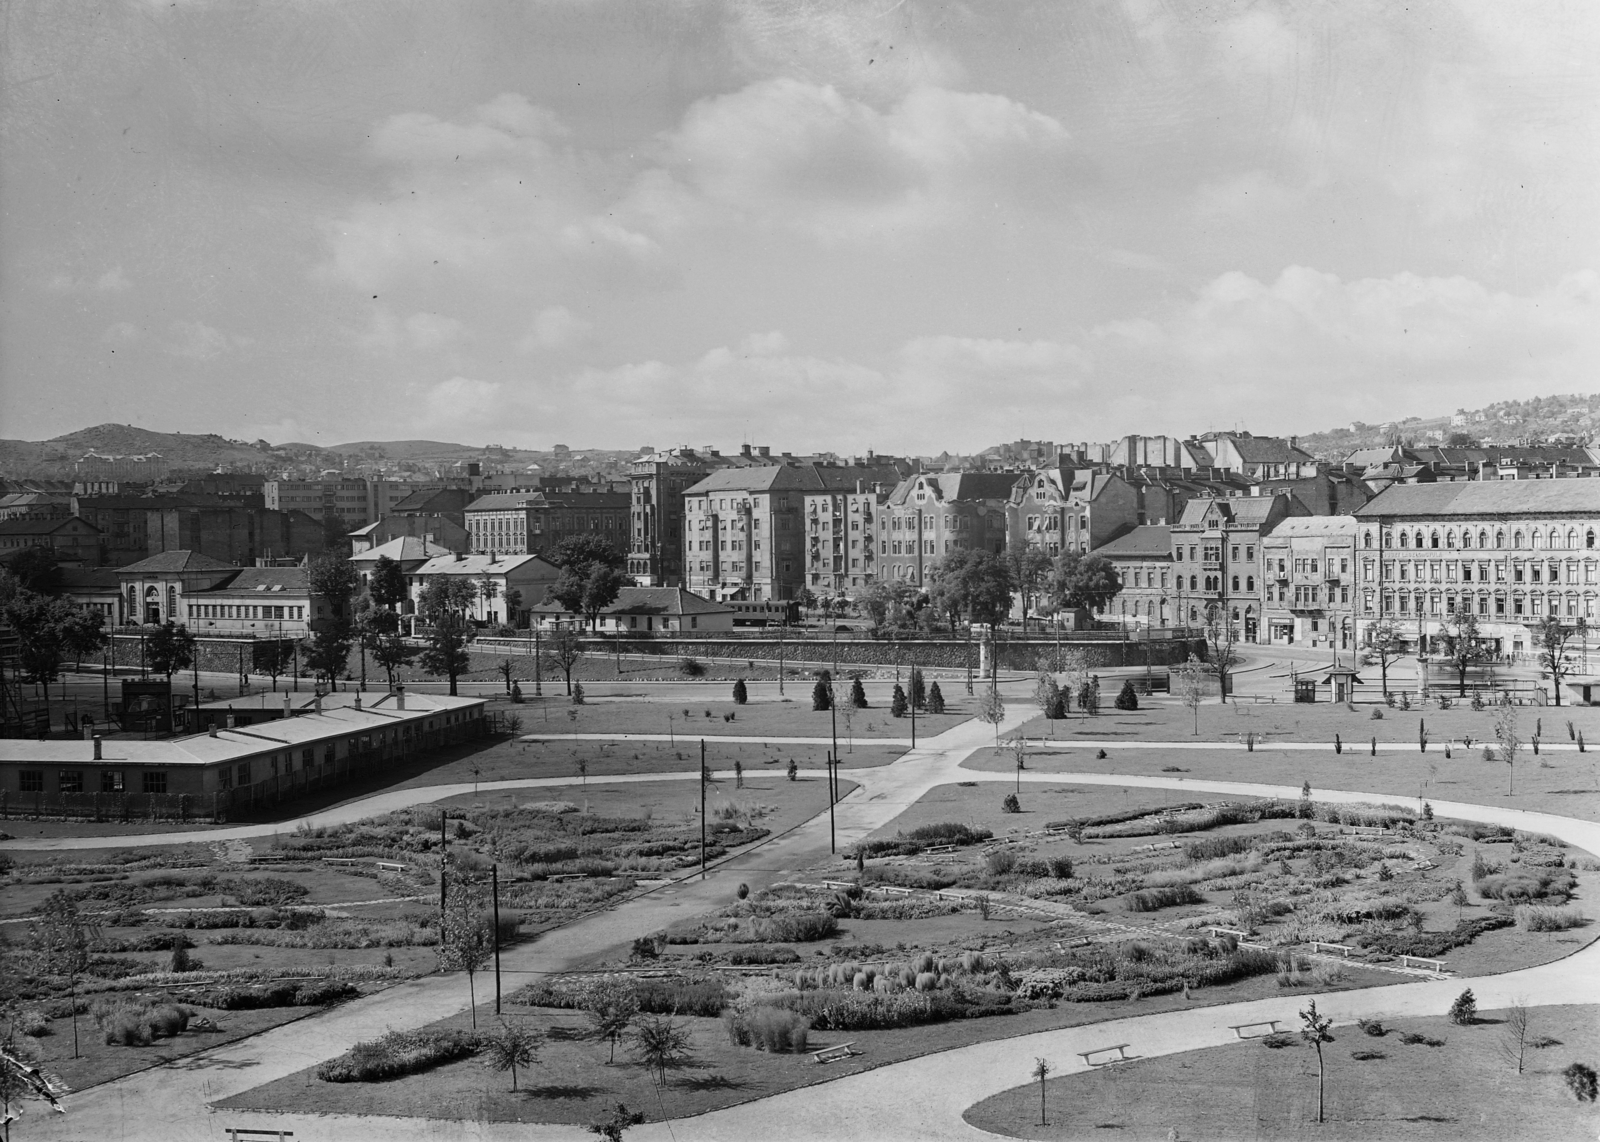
(571, 1082)
(1462, 1091)
(1564, 783)
(790, 717)
(100, 1062)
(1165, 719)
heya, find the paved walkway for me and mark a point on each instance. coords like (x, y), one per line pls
(918, 1099)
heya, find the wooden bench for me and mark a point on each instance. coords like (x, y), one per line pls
(1243, 1029)
(1080, 942)
(1436, 966)
(249, 1133)
(568, 876)
(340, 860)
(838, 1051)
(1234, 932)
(838, 885)
(940, 849)
(391, 866)
(1343, 949)
(1120, 1048)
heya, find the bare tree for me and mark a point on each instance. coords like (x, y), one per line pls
(1190, 688)
(1384, 643)
(1041, 1071)
(1219, 637)
(1316, 1029)
(1515, 1034)
(1505, 731)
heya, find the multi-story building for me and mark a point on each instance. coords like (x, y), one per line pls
(258, 602)
(743, 533)
(507, 585)
(144, 468)
(842, 521)
(1308, 569)
(337, 502)
(70, 540)
(239, 536)
(1216, 568)
(930, 515)
(658, 481)
(534, 523)
(1061, 509)
(1513, 551)
(1142, 558)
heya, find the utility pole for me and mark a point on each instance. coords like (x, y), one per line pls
(444, 855)
(913, 704)
(833, 846)
(702, 808)
(780, 656)
(494, 881)
(538, 680)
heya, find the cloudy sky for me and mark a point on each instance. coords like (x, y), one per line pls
(898, 224)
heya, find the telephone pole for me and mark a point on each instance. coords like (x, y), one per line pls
(702, 808)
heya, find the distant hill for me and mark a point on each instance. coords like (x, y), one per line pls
(1574, 417)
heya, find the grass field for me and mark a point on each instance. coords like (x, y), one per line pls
(760, 717)
(1464, 1090)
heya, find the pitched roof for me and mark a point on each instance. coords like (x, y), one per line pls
(42, 526)
(650, 601)
(770, 478)
(483, 564)
(402, 549)
(1264, 449)
(1145, 541)
(502, 501)
(293, 579)
(1486, 497)
(169, 561)
(1315, 527)
(1241, 510)
(89, 579)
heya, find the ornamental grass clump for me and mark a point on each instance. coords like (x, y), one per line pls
(400, 1053)
(768, 1028)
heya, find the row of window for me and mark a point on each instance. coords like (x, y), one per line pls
(1534, 537)
(71, 781)
(230, 611)
(1499, 605)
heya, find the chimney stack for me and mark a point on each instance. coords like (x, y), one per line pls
(358, 699)
(288, 708)
(97, 747)
(744, 450)
(211, 730)
(399, 697)
(230, 720)
(317, 702)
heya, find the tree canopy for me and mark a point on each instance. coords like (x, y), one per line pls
(973, 583)
(581, 550)
(169, 649)
(1088, 581)
(387, 585)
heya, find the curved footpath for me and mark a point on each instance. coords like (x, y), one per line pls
(918, 1099)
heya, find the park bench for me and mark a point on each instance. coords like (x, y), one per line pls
(942, 895)
(940, 849)
(1080, 942)
(838, 885)
(1234, 932)
(568, 876)
(253, 1134)
(1436, 966)
(390, 866)
(1252, 1030)
(1365, 830)
(1343, 949)
(837, 1051)
(1120, 1048)
(340, 860)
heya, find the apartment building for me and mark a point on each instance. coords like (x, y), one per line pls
(1309, 577)
(1514, 552)
(533, 523)
(339, 502)
(1142, 558)
(842, 518)
(1215, 559)
(657, 483)
(927, 516)
(1061, 509)
(743, 533)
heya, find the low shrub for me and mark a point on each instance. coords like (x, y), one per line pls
(1367, 1056)
(33, 1023)
(925, 836)
(999, 862)
(1279, 1039)
(1542, 918)
(1521, 886)
(1582, 1081)
(1211, 848)
(1372, 1027)
(306, 993)
(1464, 1010)
(1432, 944)
(399, 1053)
(132, 1023)
(768, 1028)
(1418, 1039)
(1155, 899)
(839, 1010)
(1010, 804)
(797, 928)
(705, 997)
(758, 954)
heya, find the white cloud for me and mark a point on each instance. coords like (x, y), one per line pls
(555, 327)
(791, 154)
(432, 330)
(113, 281)
(194, 340)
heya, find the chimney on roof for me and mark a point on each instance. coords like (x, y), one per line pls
(1294, 442)
(744, 450)
(211, 730)
(358, 699)
(287, 708)
(399, 697)
(97, 747)
(230, 723)
(316, 702)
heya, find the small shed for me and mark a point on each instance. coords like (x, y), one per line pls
(1342, 681)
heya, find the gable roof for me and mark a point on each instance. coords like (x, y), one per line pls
(650, 601)
(1315, 527)
(43, 526)
(771, 478)
(484, 564)
(279, 579)
(170, 561)
(1486, 497)
(1263, 449)
(1145, 541)
(401, 549)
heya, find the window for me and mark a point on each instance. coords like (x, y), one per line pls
(31, 780)
(155, 781)
(111, 781)
(243, 773)
(70, 781)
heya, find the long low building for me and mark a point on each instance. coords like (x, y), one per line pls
(229, 768)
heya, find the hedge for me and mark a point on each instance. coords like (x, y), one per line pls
(399, 1053)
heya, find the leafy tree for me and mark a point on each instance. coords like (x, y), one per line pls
(610, 1128)
(1029, 568)
(444, 604)
(661, 1043)
(1464, 1011)
(1317, 1030)
(1384, 643)
(1458, 897)
(582, 550)
(898, 706)
(368, 628)
(806, 599)
(37, 569)
(588, 589)
(511, 1047)
(1505, 732)
(919, 691)
(169, 649)
(858, 693)
(391, 652)
(992, 709)
(1046, 693)
(466, 932)
(1088, 581)
(272, 657)
(1551, 639)
(334, 578)
(821, 696)
(50, 631)
(935, 699)
(1041, 1071)
(1463, 646)
(974, 583)
(565, 650)
(387, 584)
(741, 695)
(327, 653)
(612, 1010)
(1127, 697)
